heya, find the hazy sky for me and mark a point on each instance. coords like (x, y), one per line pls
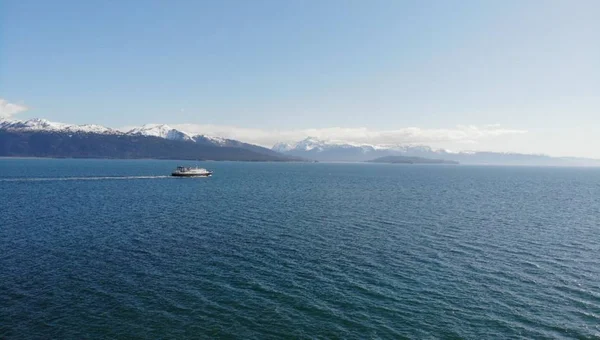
(482, 75)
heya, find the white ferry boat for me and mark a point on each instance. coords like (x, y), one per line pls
(184, 171)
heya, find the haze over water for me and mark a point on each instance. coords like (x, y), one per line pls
(114, 249)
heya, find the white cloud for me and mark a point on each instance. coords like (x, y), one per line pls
(8, 110)
(462, 134)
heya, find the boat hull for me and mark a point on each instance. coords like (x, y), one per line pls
(191, 175)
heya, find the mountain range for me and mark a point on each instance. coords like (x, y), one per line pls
(43, 138)
(316, 149)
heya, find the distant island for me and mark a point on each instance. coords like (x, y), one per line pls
(410, 160)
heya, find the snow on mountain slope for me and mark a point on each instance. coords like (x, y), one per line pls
(91, 128)
(37, 124)
(162, 131)
(313, 145)
(154, 130)
(311, 148)
(212, 140)
(167, 132)
(282, 147)
(307, 144)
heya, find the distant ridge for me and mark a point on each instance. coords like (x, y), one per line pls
(314, 149)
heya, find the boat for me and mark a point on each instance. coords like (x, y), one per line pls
(185, 171)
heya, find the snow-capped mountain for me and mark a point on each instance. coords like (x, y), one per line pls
(315, 149)
(308, 144)
(320, 150)
(162, 131)
(37, 124)
(152, 130)
(31, 124)
(315, 145)
(167, 132)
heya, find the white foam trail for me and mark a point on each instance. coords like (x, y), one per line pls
(100, 178)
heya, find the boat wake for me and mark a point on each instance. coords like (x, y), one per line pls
(96, 178)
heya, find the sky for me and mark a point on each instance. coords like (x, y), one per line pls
(519, 76)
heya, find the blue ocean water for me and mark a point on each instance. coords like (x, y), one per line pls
(116, 249)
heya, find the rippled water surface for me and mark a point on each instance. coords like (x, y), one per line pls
(115, 249)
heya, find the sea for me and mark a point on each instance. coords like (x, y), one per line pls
(117, 249)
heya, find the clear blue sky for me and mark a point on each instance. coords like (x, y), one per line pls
(382, 65)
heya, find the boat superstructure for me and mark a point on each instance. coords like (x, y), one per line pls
(185, 171)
